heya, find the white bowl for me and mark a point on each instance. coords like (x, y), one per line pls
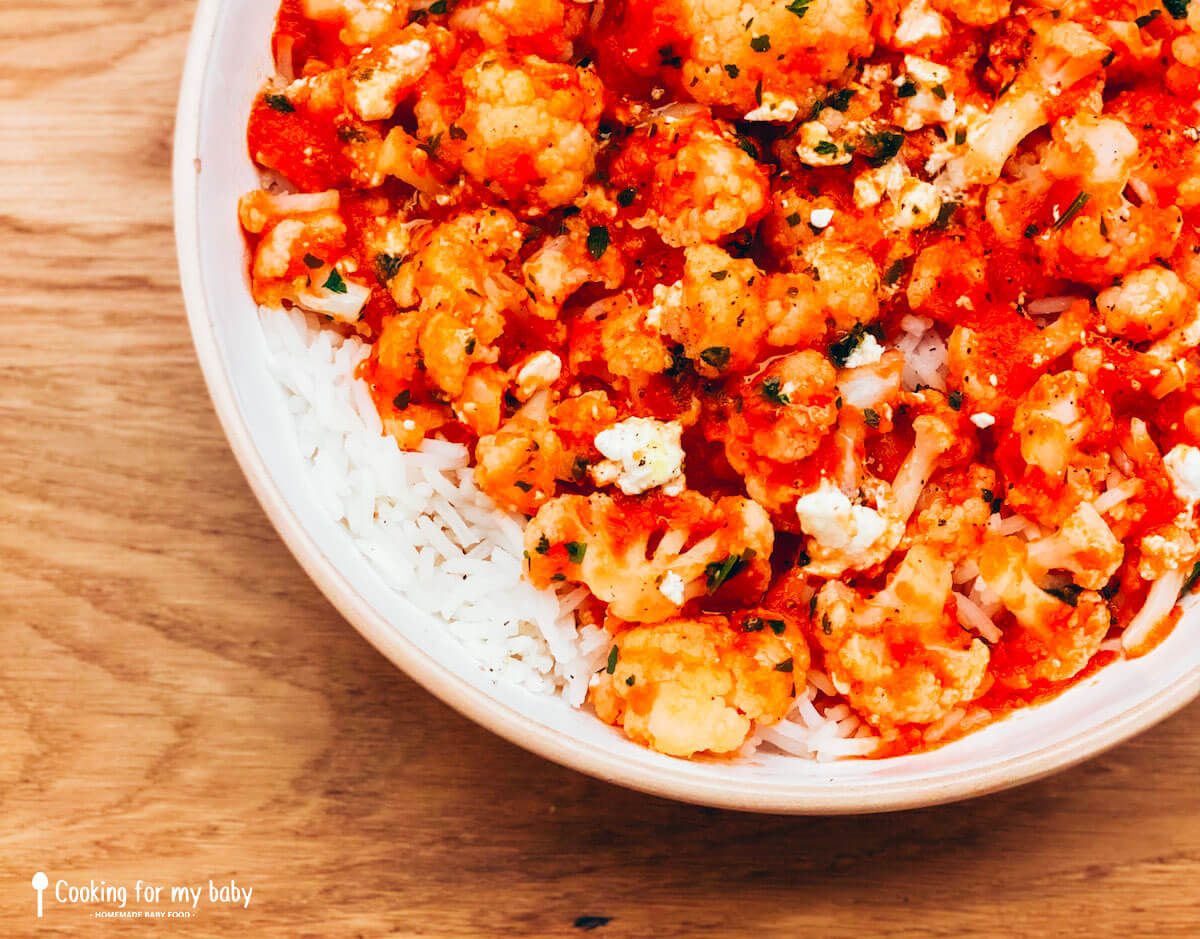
(227, 62)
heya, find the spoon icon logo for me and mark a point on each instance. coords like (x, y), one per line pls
(40, 883)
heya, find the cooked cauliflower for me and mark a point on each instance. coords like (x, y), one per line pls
(1146, 304)
(690, 685)
(692, 182)
(623, 549)
(529, 128)
(1058, 416)
(360, 20)
(899, 656)
(642, 454)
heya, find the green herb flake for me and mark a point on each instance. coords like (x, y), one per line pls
(884, 146)
(1072, 210)
(597, 241)
(626, 196)
(312, 262)
(945, 214)
(401, 401)
(543, 545)
(1143, 21)
(719, 275)
(841, 350)
(871, 416)
(840, 100)
(387, 266)
(1068, 593)
(576, 550)
(752, 624)
(772, 390)
(960, 137)
(907, 90)
(718, 572)
(1191, 579)
(559, 578)
(826, 625)
(522, 485)
(732, 71)
(1177, 8)
(335, 282)
(939, 91)
(761, 43)
(794, 219)
(799, 7)
(716, 356)
(785, 666)
(630, 680)
(613, 654)
(956, 400)
(457, 133)
(438, 7)
(778, 626)
(826, 148)
(758, 93)
(895, 271)
(279, 103)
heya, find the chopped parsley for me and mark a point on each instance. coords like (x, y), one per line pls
(597, 241)
(718, 572)
(457, 133)
(630, 680)
(907, 90)
(732, 71)
(626, 196)
(939, 91)
(1068, 593)
(279, 103)
(576, 550)
(794, 219)
(613, 654)
(871, 416)
(841, 350)
(945, 213)
(826, 148)
(1190, 582)
(772, 390)
(1072, 210)
(335, 282)
(960, 137)
(312, 262)
(1143, 21)
(716, 356)
(543, 545)
(799, 7)
(753, 624)
(400, 402)
(895, 271)
(956, 400)
(840, 100)
(1177, 8)
(437, 7)
(387, 266)
(522, 485)
(761, 43)
(667, 57)
(785, 666)
(719, 275)
(883, 146)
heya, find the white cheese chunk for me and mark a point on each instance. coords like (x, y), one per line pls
(672, 588)
(1183, 466)
(643, 454)
(982, 419)
(834, 522)
(867, 352)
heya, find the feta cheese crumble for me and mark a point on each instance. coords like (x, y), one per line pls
(867, 352)
(1183, 466)
(982, 420)
(672, 588)
(820, 218)
(642, 454)
(834, 522)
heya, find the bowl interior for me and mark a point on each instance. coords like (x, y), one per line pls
(228, 61)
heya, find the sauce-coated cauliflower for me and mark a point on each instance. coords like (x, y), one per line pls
(690, 685)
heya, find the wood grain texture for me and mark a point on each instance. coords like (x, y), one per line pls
(178, 703)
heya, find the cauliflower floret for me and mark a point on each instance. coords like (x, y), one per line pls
(564, 263)
(1063, 54)
(386, 73)
(1146, 304)
(847, 281)
(517, 466)
(693, 183)
(543, 27)
(743, 53)
(360, 20)
(715, 311)
(456, 275)
(623, 549)
(1182, 463)
(952, 512)
(1084, 545)
(1097, 150)
(529, 128)
(1068, 631)
(642, 454)
(900, 656)
(975, 12)
(691, 685)
(1056, 419)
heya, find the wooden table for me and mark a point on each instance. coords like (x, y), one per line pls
(179, 704)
